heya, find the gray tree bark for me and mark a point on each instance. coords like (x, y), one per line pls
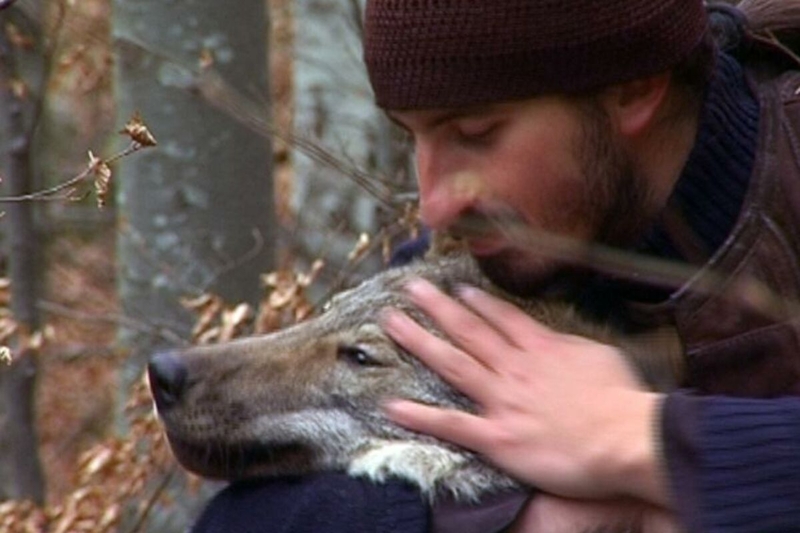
(334, 108)
(196, 213)
(20, 469)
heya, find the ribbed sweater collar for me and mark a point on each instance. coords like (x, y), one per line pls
(709, 193)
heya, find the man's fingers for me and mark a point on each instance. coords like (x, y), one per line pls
(464, 429)
(504, 316)
(462, 326)
(452, 364)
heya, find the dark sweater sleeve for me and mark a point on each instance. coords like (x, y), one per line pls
(733, 463)
(320, 503)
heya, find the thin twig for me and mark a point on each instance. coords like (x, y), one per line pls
(388, 232)
(234, 263)
(210, 86)
(151, 501)
(225, 97)
(623, 264)
(50, 194)
(777, 42)
(136, 325)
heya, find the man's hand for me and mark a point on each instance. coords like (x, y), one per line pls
(560, 412)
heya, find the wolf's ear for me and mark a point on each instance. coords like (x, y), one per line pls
(444, 244)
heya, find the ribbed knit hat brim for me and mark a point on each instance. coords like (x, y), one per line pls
(450, 53)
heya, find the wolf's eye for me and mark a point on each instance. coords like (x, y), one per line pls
(356, 356)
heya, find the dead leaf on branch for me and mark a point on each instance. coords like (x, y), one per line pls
(5, 355)
(283, 287)
(206, 60)
(285, 301)
(361, 247)
(23, 516)
(137, 130)
(207, 307)
(102, 179)
(235, 322)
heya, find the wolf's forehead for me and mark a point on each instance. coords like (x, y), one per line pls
(366, 300)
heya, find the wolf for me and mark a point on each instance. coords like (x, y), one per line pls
(308, 398)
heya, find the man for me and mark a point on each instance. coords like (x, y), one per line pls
(579, 119)
(616, 122)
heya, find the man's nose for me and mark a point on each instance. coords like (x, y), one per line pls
(445, 191)
(448, 198)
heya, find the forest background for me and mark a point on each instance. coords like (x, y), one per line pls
(173, 172)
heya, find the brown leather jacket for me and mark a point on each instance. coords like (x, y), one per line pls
(739, 318)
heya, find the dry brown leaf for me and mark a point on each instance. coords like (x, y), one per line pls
(102, 178)
(137, 130)
(361, 247)
(303, 311)
(208, 308)
(282, 296)
(234, 321)
(5, 355)
(206, 59)
(305, 280)
(268, 319)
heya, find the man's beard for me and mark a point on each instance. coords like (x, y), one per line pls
(615, 203)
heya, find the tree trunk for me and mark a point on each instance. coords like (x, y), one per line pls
(20, 470)
(334, 108)
(196, 213)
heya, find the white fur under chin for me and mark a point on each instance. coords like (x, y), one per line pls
(428, 466)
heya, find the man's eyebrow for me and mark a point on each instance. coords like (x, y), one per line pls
(440, 117)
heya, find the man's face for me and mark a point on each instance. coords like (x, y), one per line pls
(550, 163)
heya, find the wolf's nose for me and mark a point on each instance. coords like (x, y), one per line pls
(167, 375)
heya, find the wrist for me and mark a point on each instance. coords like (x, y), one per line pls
(634, 464)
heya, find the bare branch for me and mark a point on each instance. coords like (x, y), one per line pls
(210, 86)
(152, 329)
(97, 169)
(629, 265)
(151, 501)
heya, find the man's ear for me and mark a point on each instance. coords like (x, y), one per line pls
(634, 105)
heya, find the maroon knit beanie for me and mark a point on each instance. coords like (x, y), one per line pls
(450, 53)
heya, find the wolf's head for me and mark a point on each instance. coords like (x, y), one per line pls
(309, 397)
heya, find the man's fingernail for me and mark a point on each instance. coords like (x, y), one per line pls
(394, 407)
(395, 323)
(389, 317)
(467, 292)
(418, 287)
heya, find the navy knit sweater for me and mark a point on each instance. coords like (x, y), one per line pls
(329, 502)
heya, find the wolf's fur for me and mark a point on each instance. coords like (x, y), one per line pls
(308, 398)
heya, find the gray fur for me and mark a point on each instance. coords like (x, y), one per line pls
(295, 401)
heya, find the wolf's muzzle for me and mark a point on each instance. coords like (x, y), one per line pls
(167, 375)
